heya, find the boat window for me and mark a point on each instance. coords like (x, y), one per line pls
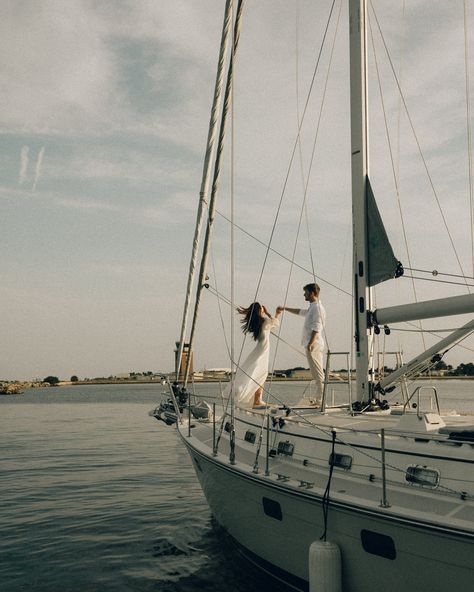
(378, 544)
(286, 448)
(250, 436)
(272, 508)
(422, 476)
(343, 461)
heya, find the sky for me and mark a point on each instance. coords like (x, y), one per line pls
(104, 120)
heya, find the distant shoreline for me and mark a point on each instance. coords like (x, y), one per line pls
(214, 380)
(127, 381)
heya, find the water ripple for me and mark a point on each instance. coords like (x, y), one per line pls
(96, 496)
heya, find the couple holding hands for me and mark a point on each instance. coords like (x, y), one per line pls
(256, 320)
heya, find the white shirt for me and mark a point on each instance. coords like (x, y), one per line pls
(314, 320)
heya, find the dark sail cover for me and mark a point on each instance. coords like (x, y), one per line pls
(383, 265)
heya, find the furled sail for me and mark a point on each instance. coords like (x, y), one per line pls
(383, 264)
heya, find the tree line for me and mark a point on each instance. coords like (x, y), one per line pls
(461, 370)
(464, 369)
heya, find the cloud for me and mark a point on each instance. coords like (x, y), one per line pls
(78, 67)
(23, 164)
(88, 205)
(165, 213)
(60, 70)
(120, 93)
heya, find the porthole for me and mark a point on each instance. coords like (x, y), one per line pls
(286, 448)
(418, 475)
(272, 508)
(378, 544)
(343, 461)
(250, 436)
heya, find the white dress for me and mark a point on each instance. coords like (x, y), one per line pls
(254, 371)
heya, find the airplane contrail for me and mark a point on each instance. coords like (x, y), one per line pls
(23, 164)
(39, 163)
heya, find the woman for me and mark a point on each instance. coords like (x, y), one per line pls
(251, 375)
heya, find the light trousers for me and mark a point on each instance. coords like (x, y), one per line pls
(315, 361)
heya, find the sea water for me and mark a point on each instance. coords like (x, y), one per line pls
(96, 495)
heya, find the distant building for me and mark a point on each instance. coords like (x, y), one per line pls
(212, 374)
(300, 374)
(217, 374)
(277, 374)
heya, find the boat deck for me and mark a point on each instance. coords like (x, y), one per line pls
(444, 507)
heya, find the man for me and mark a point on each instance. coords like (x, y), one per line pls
(312, 337)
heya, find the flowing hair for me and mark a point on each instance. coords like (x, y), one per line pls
(252, 320)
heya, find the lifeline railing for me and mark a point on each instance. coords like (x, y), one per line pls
(328, 381)
(382, 461)
(417, 392)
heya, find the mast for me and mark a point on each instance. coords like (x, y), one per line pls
(359, 164)
(215, 181)
(226, 27)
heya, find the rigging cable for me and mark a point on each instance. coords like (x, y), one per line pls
(300, 149)
(325, 503)
(395, 179)
(285, 257)
(304, 419)
(295, 145)
(425, 165)
(290, 165)
(399, 106)
(332, 432)
(306, 179)
(399, 116)
(305, 184)
(268, 246)
(435, 273)
(224, 333)
(298, 351)
(219, 298)
(414, 277)
(314, 151)
(432, 332)
(236, 32)
(468, 121)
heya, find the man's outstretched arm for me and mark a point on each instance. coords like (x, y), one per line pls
(295, 311)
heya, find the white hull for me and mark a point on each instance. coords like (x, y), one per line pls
(413, 554)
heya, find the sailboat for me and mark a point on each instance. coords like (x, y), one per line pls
(352, 497)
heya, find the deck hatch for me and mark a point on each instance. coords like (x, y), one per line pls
(272, 508)
(343, 461)
(422, 476)
(378, 544)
